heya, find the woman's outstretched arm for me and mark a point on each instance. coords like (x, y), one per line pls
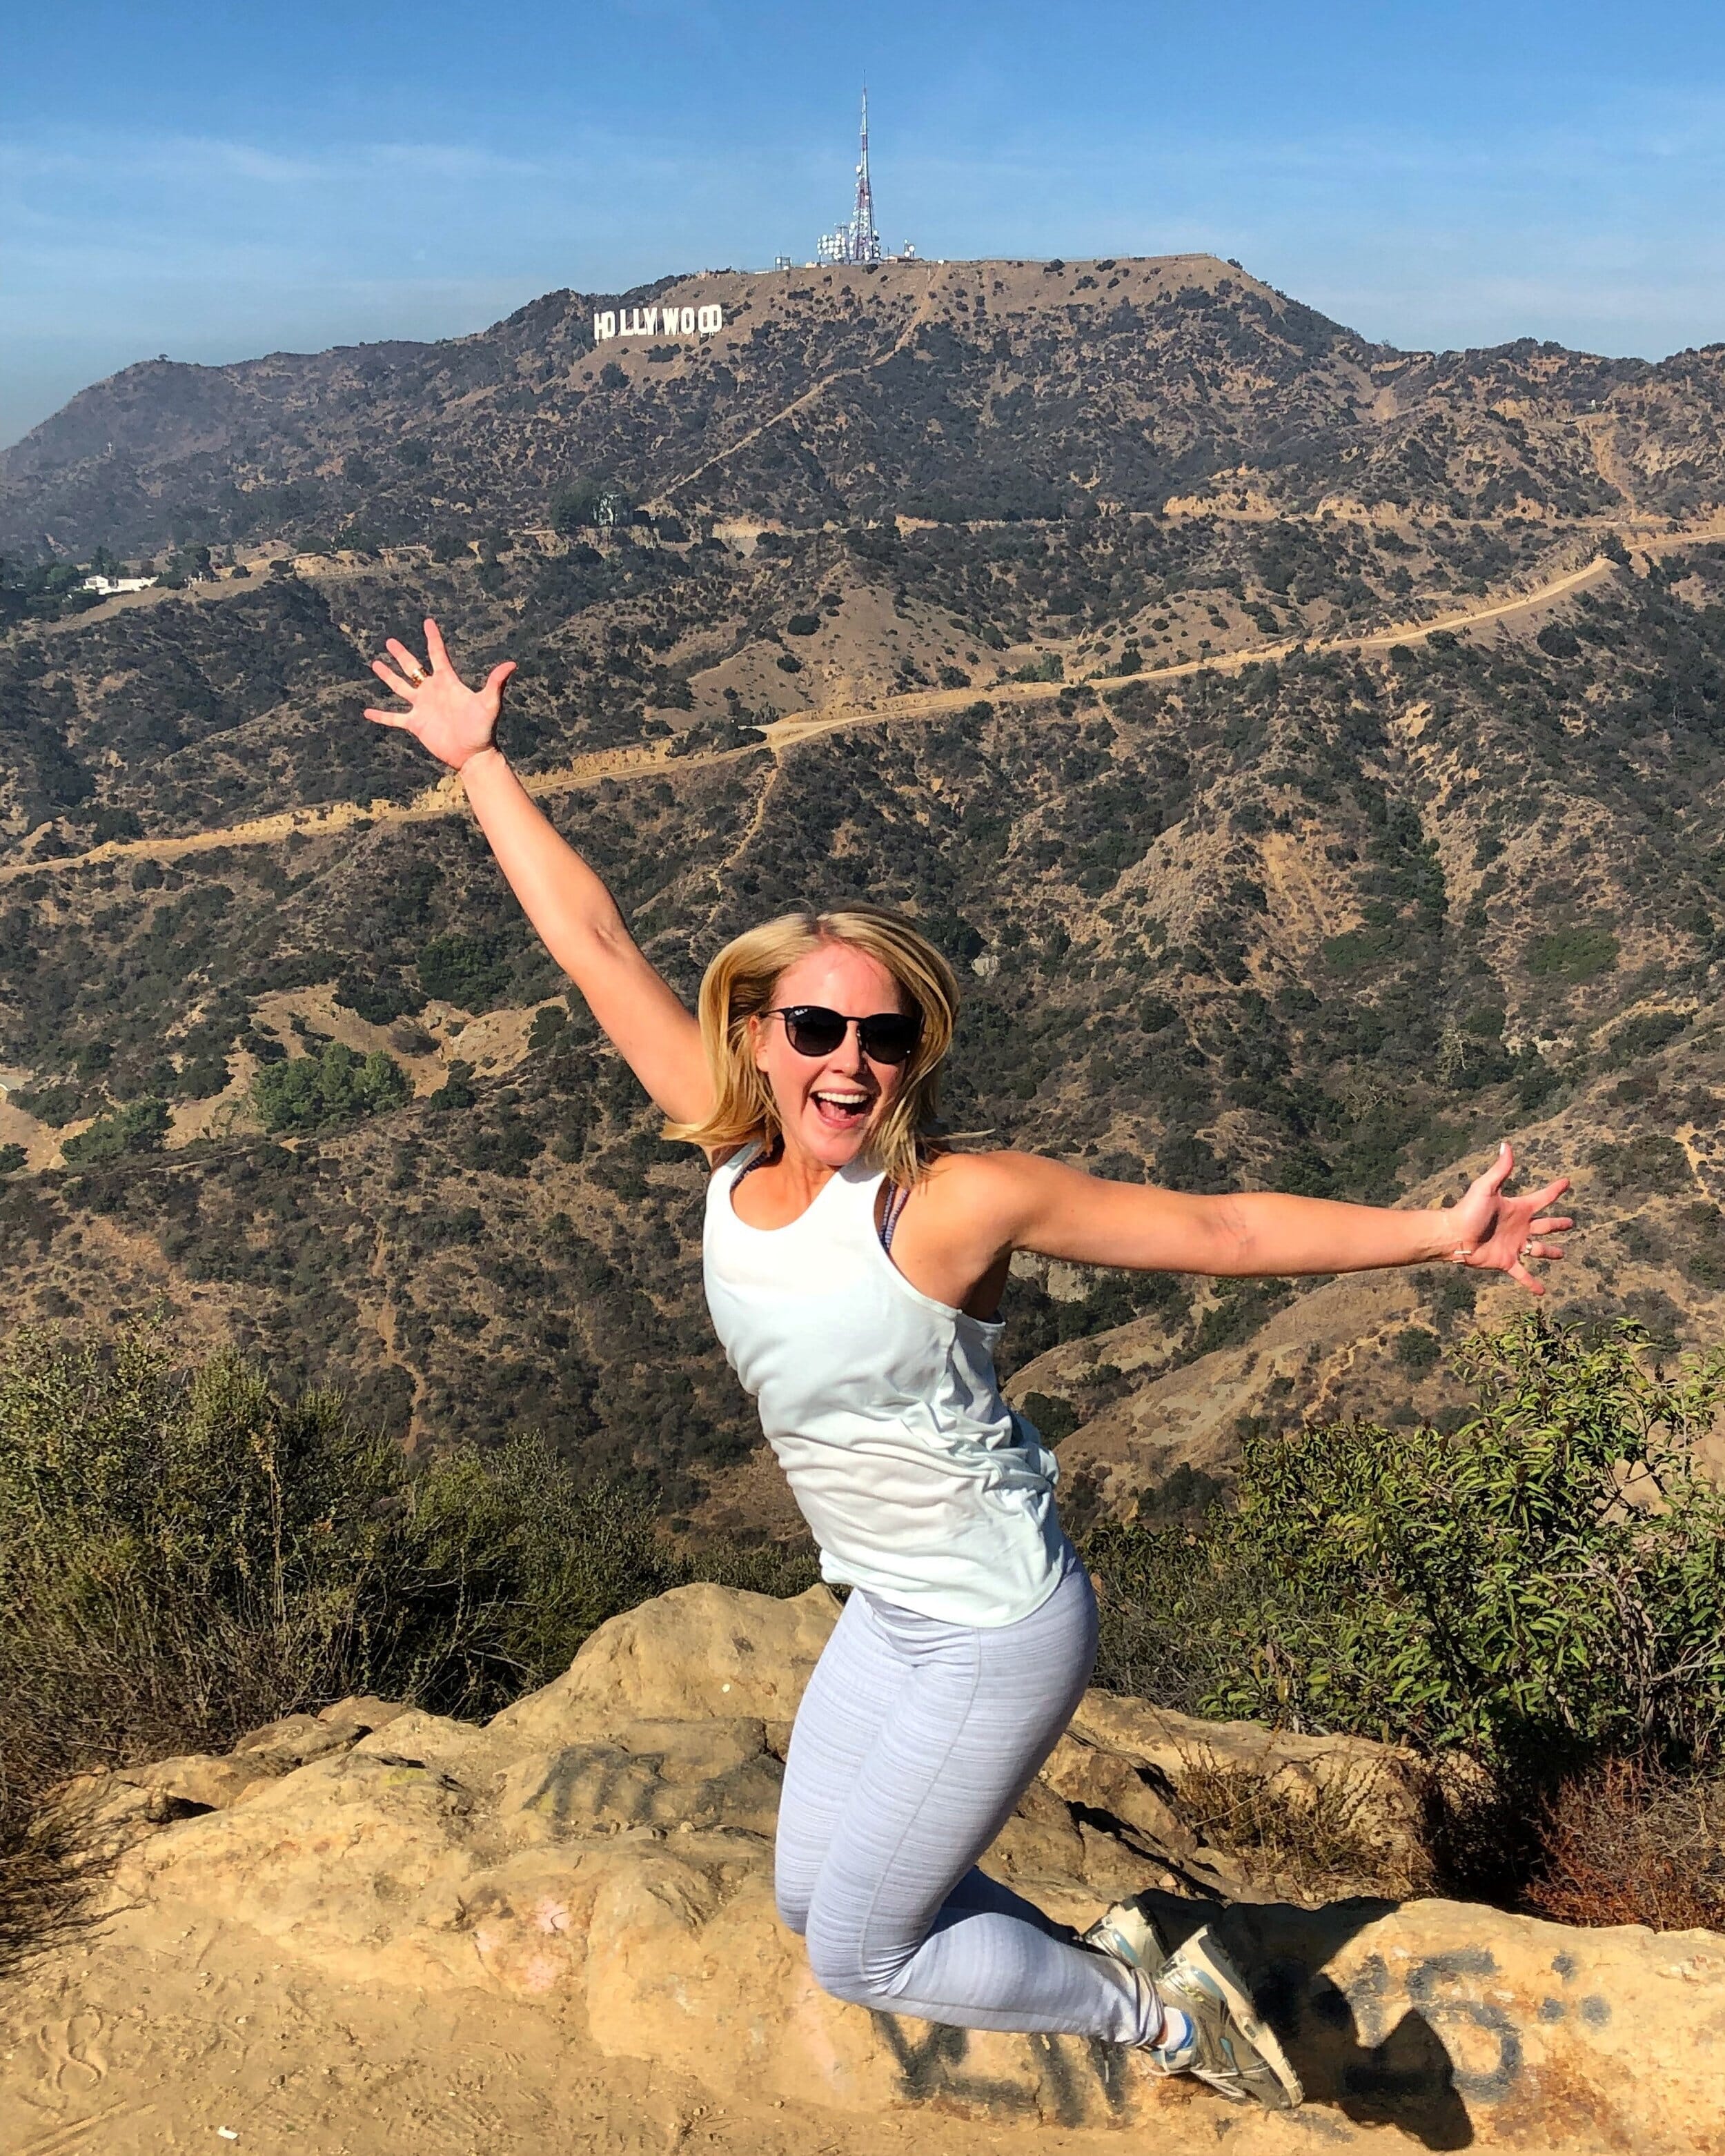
(998, 1203)
(575, 915)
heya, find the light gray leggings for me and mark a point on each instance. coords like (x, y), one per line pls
(913, 1744)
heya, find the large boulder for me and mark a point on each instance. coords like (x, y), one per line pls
(602, 1853)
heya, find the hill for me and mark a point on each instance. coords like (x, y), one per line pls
(953, 391)
(1311, 752)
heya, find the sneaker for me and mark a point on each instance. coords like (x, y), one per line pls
(1128, 1933)
(1231, 2048)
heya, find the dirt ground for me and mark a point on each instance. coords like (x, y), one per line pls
(133, 2043)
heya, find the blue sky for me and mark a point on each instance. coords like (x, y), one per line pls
(214, 181)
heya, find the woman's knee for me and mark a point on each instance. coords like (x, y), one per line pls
(839, 1965)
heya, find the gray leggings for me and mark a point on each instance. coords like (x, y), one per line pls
(913, 1744)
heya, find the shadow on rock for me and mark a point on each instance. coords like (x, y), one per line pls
(1403, 2077)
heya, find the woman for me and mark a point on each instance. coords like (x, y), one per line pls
(853, 1270)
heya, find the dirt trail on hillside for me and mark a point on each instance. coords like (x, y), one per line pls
(445, 797)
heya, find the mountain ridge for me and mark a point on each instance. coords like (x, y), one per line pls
(1121, 381)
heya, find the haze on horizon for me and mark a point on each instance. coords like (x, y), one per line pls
(217, 184)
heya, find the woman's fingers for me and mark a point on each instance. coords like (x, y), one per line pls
(1551, 1227)
(408, 661)
(497, 677)
(391, 680)
(404, 719)
(434, 645)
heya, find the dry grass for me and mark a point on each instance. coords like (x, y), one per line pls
(1316, 1836)
(1624, 1842)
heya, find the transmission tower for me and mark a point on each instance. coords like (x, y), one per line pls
(857, 241)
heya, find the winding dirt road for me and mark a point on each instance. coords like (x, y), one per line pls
(444, 798)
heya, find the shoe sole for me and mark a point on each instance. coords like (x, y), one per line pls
(1221, 1972)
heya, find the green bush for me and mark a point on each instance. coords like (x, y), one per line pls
(575, 506)
(1574, 954)
(1054, 1417)
(462, 970)
(1049, 667)
(334, 1086)
(140, 1126)
(456, 1090)
(1545, 1583)
(11, 1159)
(186, 1554)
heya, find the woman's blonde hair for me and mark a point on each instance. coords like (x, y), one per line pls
(739, 985)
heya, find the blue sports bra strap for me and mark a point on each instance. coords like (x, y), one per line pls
(897, 1197)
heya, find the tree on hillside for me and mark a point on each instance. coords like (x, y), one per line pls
(317, 1092)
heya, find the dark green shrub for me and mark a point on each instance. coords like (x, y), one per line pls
(1642, 1035)
(575, 506)
(1054, 1417)
(1572, 954)
(456, 1090)
(11, 1159)
(380, 997)
(1417, 1348)
(462, 970)
(334, 1086)
(140, 1126)
(802, 624)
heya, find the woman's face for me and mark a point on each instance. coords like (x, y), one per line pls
(828, 1104)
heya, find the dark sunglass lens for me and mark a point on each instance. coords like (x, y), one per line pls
(889, 1037)
(814, 1030)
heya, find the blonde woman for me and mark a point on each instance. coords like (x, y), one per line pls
(854, 1269)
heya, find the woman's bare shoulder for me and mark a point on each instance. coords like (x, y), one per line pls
(978, 1178)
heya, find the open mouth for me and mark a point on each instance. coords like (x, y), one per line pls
(842, 1108)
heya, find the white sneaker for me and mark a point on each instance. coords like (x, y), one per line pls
(1228, 2046)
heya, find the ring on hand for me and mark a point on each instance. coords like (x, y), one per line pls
(415, 674)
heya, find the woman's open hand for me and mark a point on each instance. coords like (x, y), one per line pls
(1501, 1234)
(443, 715)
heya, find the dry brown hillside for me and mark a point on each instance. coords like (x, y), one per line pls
(1311, 752)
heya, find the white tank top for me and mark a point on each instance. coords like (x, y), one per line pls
(918, 1481)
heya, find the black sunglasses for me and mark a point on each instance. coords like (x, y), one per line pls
(813, 1030)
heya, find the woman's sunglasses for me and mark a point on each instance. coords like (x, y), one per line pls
(813, 1030)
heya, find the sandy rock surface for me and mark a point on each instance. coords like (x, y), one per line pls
(378, 1928)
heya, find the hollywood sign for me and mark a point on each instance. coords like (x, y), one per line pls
(658, 321)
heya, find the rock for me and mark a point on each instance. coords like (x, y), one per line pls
(1380, 1790)
(601, 1853)
(697, 1653)
(200, 1782)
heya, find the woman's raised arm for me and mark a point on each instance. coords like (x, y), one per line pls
(575, 915)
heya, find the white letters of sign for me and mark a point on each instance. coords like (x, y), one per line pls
(658, 321)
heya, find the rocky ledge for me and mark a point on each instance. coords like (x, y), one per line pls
(601, 1852)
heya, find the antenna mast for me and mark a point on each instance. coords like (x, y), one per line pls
(857, 241)
(865, 240)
